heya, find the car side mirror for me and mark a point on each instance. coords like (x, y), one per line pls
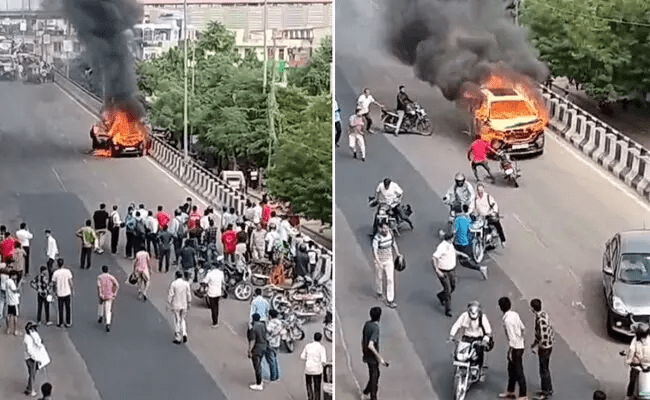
(607, 270)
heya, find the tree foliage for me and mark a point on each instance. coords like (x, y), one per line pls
(603, 46)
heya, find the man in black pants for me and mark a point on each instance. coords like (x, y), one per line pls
(371, 356)
(114, 225)
(544, 336)
(256, 349)
(62, 280)
(337, 122)
(515, 334)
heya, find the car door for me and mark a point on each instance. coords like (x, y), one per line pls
(608, 269)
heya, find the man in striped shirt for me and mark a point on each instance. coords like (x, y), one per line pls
(384, 252)
(543, 343)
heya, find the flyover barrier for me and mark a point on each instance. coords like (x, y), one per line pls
(624, 158)
(201, 180)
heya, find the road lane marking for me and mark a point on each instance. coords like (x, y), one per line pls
(58, 178)
(348, 359)
(529, 230)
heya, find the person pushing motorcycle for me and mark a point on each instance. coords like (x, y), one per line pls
(474, 327)
(478, 155)
(403, 101)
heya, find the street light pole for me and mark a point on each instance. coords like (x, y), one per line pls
(185, 149)
(266, 52)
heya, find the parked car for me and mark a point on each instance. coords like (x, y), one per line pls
(626, 280)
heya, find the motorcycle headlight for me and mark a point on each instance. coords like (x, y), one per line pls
(618, 306)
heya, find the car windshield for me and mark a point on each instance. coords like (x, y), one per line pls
(511, 109)
(635, 268)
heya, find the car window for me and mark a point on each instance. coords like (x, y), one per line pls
(510, 109)
(635, 268)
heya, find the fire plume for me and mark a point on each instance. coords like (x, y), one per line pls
(125, 129)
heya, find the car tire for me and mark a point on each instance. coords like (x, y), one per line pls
(610, 325)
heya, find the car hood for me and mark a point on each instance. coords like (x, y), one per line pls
(505, 124)
(635, 297)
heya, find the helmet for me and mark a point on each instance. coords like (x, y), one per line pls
(387, 182)
(459, 178)
(474, 309)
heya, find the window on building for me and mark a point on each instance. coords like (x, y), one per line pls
(271, 54)
(148, 34)
(248, 52)
(58, 47)
(281, 54)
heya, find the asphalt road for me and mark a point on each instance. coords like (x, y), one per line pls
(48, 180)
(557, 223)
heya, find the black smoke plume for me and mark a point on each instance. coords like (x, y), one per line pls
(452, 42)
(104, 27)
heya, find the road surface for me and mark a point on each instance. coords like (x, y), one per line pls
(557, 223)
(49, 181)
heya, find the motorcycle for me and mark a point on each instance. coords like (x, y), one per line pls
(643, 381)
(415, 120)
(467, 370)
(485, 237)
(509, 167)
(328, 326)
(237, 279)
(306, 299)
(385, 214)
(291, 329)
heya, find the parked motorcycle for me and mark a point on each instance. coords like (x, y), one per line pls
(328, 326)
(509, 167)
(292, 329)
(385, 214)
(485, 237)
(237, 278)
(306, 299)
(415, 120)
(467, 370)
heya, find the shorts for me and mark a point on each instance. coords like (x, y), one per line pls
(12, 310)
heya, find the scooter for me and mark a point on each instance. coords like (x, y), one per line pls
(467, 370)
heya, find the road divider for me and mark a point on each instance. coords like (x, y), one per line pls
(199, 179)
(621, 156)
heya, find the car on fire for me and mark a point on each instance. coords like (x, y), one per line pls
(8, 67)
(510, 120)
(626, 280)
(121, 137)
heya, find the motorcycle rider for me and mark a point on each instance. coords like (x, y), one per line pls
(478, 155)
(390, 193)
(475, 327)
(638, 355)
(402, 101)
(460, 193)
(356, 134)
(463, 241)
(489, 209)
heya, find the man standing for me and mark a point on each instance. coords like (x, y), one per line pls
(384, 252)
(315, 358)
(107, 287)
(356, 140)
(19, 262)
(88, 241)
(13, 302)
(43, 286)
(444, 263)
(272, 240)
(363, 102)
(229, 241)
(142, 270)
(114, 225)
(24, 236)
(257, 344)
(179, 300)
(260, 306)
(544, 335)
(488, 208)
(478, 155)
(216, 282)
(258, 242)
(100, 218)
(370, 351)
(51, 251)
(165, 241)
(515, 334)
(130, 223)
(274, 335)
(462, 241)
(402, 101)
(211, 233)
(62, 279)
(151, 228)
(175, 228)
(337, 122)
(7, 248)
(162, 217)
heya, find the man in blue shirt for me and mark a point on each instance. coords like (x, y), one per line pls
(260, 306)
(463, 241)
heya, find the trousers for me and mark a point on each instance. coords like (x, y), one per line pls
(372, 387)
(484, 165)
(163, 256)
(26, 248)
(115, 237)
(448, 282)
(101, 238)
(337, 126)
(544, 370)
(516, 371)
(357, 143)
(385, 267)
(214, 309)
(180, 326)
(64, 309)
(105, 310)
(86, 257)
(42, 304)
(313, 383)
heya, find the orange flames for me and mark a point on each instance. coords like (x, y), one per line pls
(124, 130)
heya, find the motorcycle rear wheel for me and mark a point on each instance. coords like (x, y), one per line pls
(290, 345)
(328, 334)
(243, 291)
(297, 333)
(460, 388)
(277, 301)
(478, 250)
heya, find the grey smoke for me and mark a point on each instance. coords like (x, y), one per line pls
(452, 42)
(104, 27)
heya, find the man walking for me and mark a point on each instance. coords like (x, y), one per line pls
(337, 122)
(107, 287)
(356, 130)
(24, 236)
(51, 251)
(100, 219)
(43, 286)
(142, 270)
(515, 334)
(165, 242)
(543, 343)
(363, 102)
(315, 358)
(151, 227)
(370, 351)
(444, 264)
(179, 300)
(257, 344)
(62, 280)
(258, 242)
(13, 302)
(215, 281)
(114, 225)
(384, 252)
(88, 241)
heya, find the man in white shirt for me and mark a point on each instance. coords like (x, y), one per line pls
(275, 220)
(390, 193)
(24, 236)
(215, 281)
(363, 102)
(286, 230)
(114, 225)
(356, 134)
(315, 358)
(178, 301)
(515, 334)
(51, 251)
(13, 301)
(63, 287)
(257, 216)
(474, 326)
(272, 240)
(151, 226)
(444, 264)
(384, 252)
(488, 208)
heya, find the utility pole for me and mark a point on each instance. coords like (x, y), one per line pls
(272, 107)
(185, 149)
(517, 12)
(266, 52)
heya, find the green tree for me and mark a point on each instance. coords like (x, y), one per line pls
(603, 46)
(315, 77)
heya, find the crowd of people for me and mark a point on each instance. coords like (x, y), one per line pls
(258, 234)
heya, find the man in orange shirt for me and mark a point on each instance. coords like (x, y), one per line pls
(8, 247)
(478, 155)
(194, 223)
(229, 240)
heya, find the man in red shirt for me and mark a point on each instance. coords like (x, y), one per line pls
(478, 155)
(162, 217)
(194, 223)
(266, 214)
(229, 240)
(8, 247)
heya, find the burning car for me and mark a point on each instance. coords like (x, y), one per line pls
(119, 133)
(510, 115)
(8, 67)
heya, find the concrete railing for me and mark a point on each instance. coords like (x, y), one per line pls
(203, 181)
(623, 157)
